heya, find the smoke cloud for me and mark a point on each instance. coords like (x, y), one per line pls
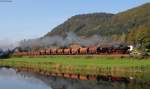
(6, 44)
(59, 41)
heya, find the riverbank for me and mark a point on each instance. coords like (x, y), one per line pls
(84, 65)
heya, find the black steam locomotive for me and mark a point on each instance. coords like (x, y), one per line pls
(6, 53)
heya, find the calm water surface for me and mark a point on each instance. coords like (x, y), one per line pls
(10, 79)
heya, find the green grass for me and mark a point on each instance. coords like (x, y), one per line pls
(97, 61)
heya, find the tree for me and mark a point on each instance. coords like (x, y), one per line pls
(141, 36)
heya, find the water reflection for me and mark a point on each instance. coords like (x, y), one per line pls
(24, 80)
(63, 83)
(9, 79)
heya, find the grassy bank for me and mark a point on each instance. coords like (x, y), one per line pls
(82, 64)
(98, 61)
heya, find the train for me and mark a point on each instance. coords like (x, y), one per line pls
(94, 50)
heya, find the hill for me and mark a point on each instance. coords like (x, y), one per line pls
(82, 25)
(117, 26)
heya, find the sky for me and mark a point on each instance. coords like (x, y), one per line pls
(28, 19)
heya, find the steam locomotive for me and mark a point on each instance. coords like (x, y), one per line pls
(6, 53)
(96, 50)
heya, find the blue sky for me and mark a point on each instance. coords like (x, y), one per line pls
(23, 19)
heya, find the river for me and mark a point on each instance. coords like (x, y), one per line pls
(10, 79)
